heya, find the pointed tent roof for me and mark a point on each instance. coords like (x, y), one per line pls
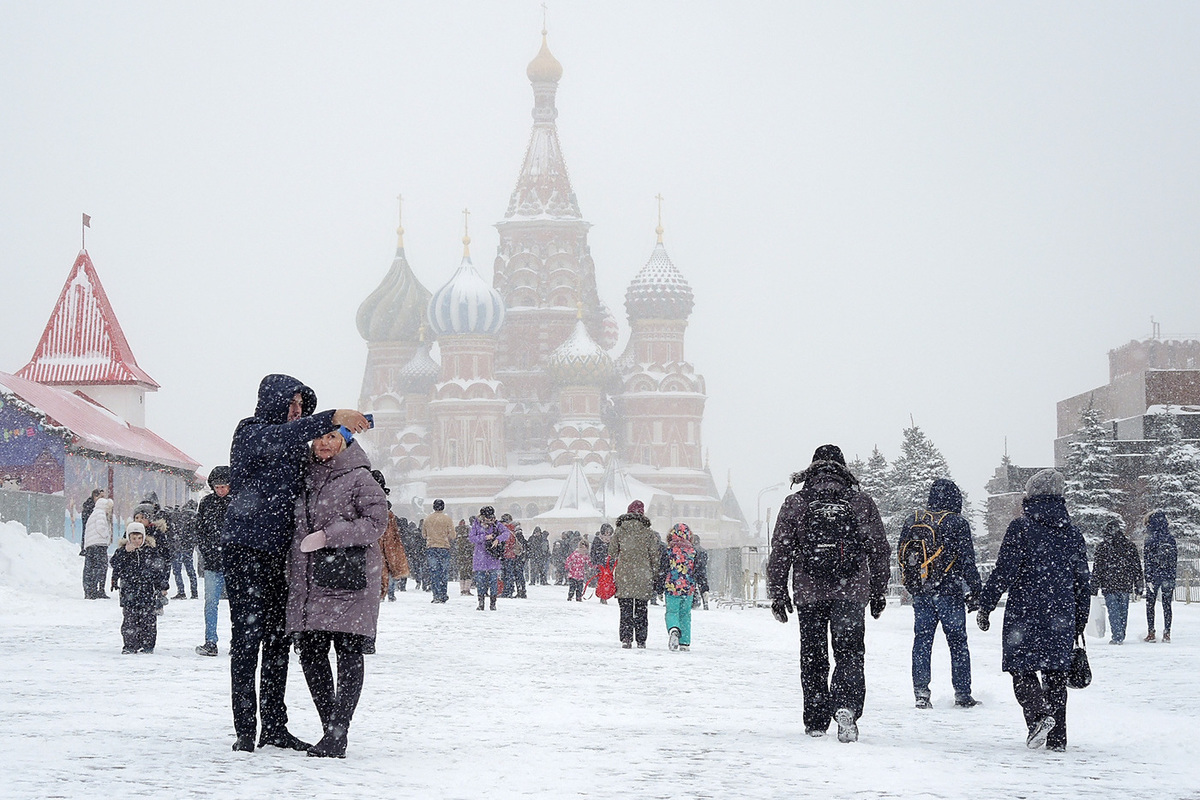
(576, 494)
(544, 188)
(730, 506)
(83, 344)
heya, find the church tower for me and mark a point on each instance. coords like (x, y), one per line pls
(543, 270)
(661, 403)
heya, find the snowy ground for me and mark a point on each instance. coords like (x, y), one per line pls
(538, 699)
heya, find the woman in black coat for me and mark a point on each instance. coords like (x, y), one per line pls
(1043, 566)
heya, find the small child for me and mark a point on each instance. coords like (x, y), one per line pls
(680, 581)
(140, 569)
(577, 565)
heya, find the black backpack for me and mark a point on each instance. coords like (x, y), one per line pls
(830, 547)
(924, 559)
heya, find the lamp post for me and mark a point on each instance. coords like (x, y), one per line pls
(758, 520)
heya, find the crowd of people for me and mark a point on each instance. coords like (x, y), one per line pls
(298, 534)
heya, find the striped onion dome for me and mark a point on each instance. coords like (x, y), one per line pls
(467, 304)
(420, 373)
(579, 360)
(610, 331)
(659, 291)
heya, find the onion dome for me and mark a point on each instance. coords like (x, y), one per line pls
(421, 372)
(396, 310)
(659, 290)
(579, 360)
(610, 330)
(545, 67)
(467, 304)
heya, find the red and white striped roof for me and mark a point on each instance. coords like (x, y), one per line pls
(83, 344)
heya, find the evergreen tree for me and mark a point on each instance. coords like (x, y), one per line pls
(1174, 483)
(873, 477)
(1092, 494)
(910, 477)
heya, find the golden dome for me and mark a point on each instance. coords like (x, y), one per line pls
(545, 67)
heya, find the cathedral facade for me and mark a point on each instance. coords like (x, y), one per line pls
(526, 407)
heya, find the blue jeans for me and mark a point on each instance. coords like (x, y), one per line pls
(1118, 613)
(485, 582)
(438, 559)
(179, 560)
(950, 611)
(214, 590)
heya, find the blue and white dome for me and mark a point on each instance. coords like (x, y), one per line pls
(659, 291)
(467, 304)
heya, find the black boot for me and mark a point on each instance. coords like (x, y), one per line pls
(332, 744)
(481, 599)
(282, 739)
(493, 606)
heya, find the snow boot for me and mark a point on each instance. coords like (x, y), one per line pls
(244, 744)
(1149, 637)
(683, 648)
(1166, 637)
(641, 645)
(816, 733)
(1038, 733)
(673, 640)
(847, 727)
(966, 701)
(207, 649)
(924, 702)
(179, 596)
(128, 651)
(493, 605)
(627, 645)
(481, 600)
(332, 745)
(282, 739)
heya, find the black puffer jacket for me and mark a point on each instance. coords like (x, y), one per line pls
(211, 520)
(1118, 567)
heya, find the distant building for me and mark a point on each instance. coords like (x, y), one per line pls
(73, 420)
(1005, 491)
(527, 399)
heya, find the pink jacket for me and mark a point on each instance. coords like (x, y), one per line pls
(577, 564)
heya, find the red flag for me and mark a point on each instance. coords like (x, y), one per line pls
(87, 221)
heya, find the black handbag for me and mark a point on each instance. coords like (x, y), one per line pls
(340, 568)
(1079, 676)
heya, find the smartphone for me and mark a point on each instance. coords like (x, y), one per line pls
(370, 420)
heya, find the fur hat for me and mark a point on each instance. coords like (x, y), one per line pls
(1046, 482)
(134, 527)
(829, 452)
(636, 507)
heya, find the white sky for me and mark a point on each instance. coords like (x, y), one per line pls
(939, 209)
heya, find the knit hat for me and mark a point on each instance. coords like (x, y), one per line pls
(135, 527)
(487, 511)
(146, 510)
(829, 452)
(636, 507)
(682, 530)
(438, 505)
(582, 545)
(1046, 482)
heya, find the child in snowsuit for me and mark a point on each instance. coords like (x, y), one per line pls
(141, 572)
(576, 566)
(680, 579)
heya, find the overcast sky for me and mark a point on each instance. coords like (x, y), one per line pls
(944, 210)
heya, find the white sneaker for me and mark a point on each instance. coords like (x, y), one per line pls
(1039, 732)
(847, 727)
(673, 642)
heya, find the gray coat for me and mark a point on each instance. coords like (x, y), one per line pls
(635, 548)
(341, 498)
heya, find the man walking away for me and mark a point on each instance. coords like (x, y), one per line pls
(829, 538)
(267, 462)
(183, 526)
(1162, 559)
(438, 530)
(1117, 572)
(937, 565)
(210, 521)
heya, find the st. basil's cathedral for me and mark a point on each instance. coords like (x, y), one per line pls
(527, 410)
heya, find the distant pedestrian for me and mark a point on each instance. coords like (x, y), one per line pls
(681, 579)
(438, 530)
(635, 549)
(1117, 573)
(1043, 566)
(183, 529)
(558, 558)
(464, 551)
(701, 597)
(1161, 555)
(391, 547)
(577, 566)
(140, 570)
(209, 524)
(97, 536)
(414, 548)
(539, 557)
(488, 536)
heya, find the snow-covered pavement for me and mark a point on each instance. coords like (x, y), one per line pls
(538, 699)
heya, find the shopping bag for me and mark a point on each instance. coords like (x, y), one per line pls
(1097, 617)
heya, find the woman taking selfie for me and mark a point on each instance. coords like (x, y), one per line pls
(334, 571)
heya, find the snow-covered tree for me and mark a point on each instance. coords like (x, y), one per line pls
(873, 476)
(1174, 483)
(910, 477)
(1092, 494)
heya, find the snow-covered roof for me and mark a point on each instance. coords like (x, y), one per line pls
(83, 343)
(94, 427)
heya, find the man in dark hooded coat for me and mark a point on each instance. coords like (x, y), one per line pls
(267, 461)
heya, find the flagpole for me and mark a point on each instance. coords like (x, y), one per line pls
(85, 223)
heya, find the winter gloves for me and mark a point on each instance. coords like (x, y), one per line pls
(982, 620)
(972, 602)
(780, 608)
(878, 604)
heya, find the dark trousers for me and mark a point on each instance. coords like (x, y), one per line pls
(1167, 590)
(139, 628)
(537, 572)
(634, 622)
(514, 577)
(181, 560)
(256, 585)
(575, 589)
(335, 703)
(841, 623)
(1043, 698)
(95, 570)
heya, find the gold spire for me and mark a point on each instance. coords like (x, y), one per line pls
(545, 67)
(578, 309)
(659, 229)
(400, 223)
(421, 333)
(466, 233)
